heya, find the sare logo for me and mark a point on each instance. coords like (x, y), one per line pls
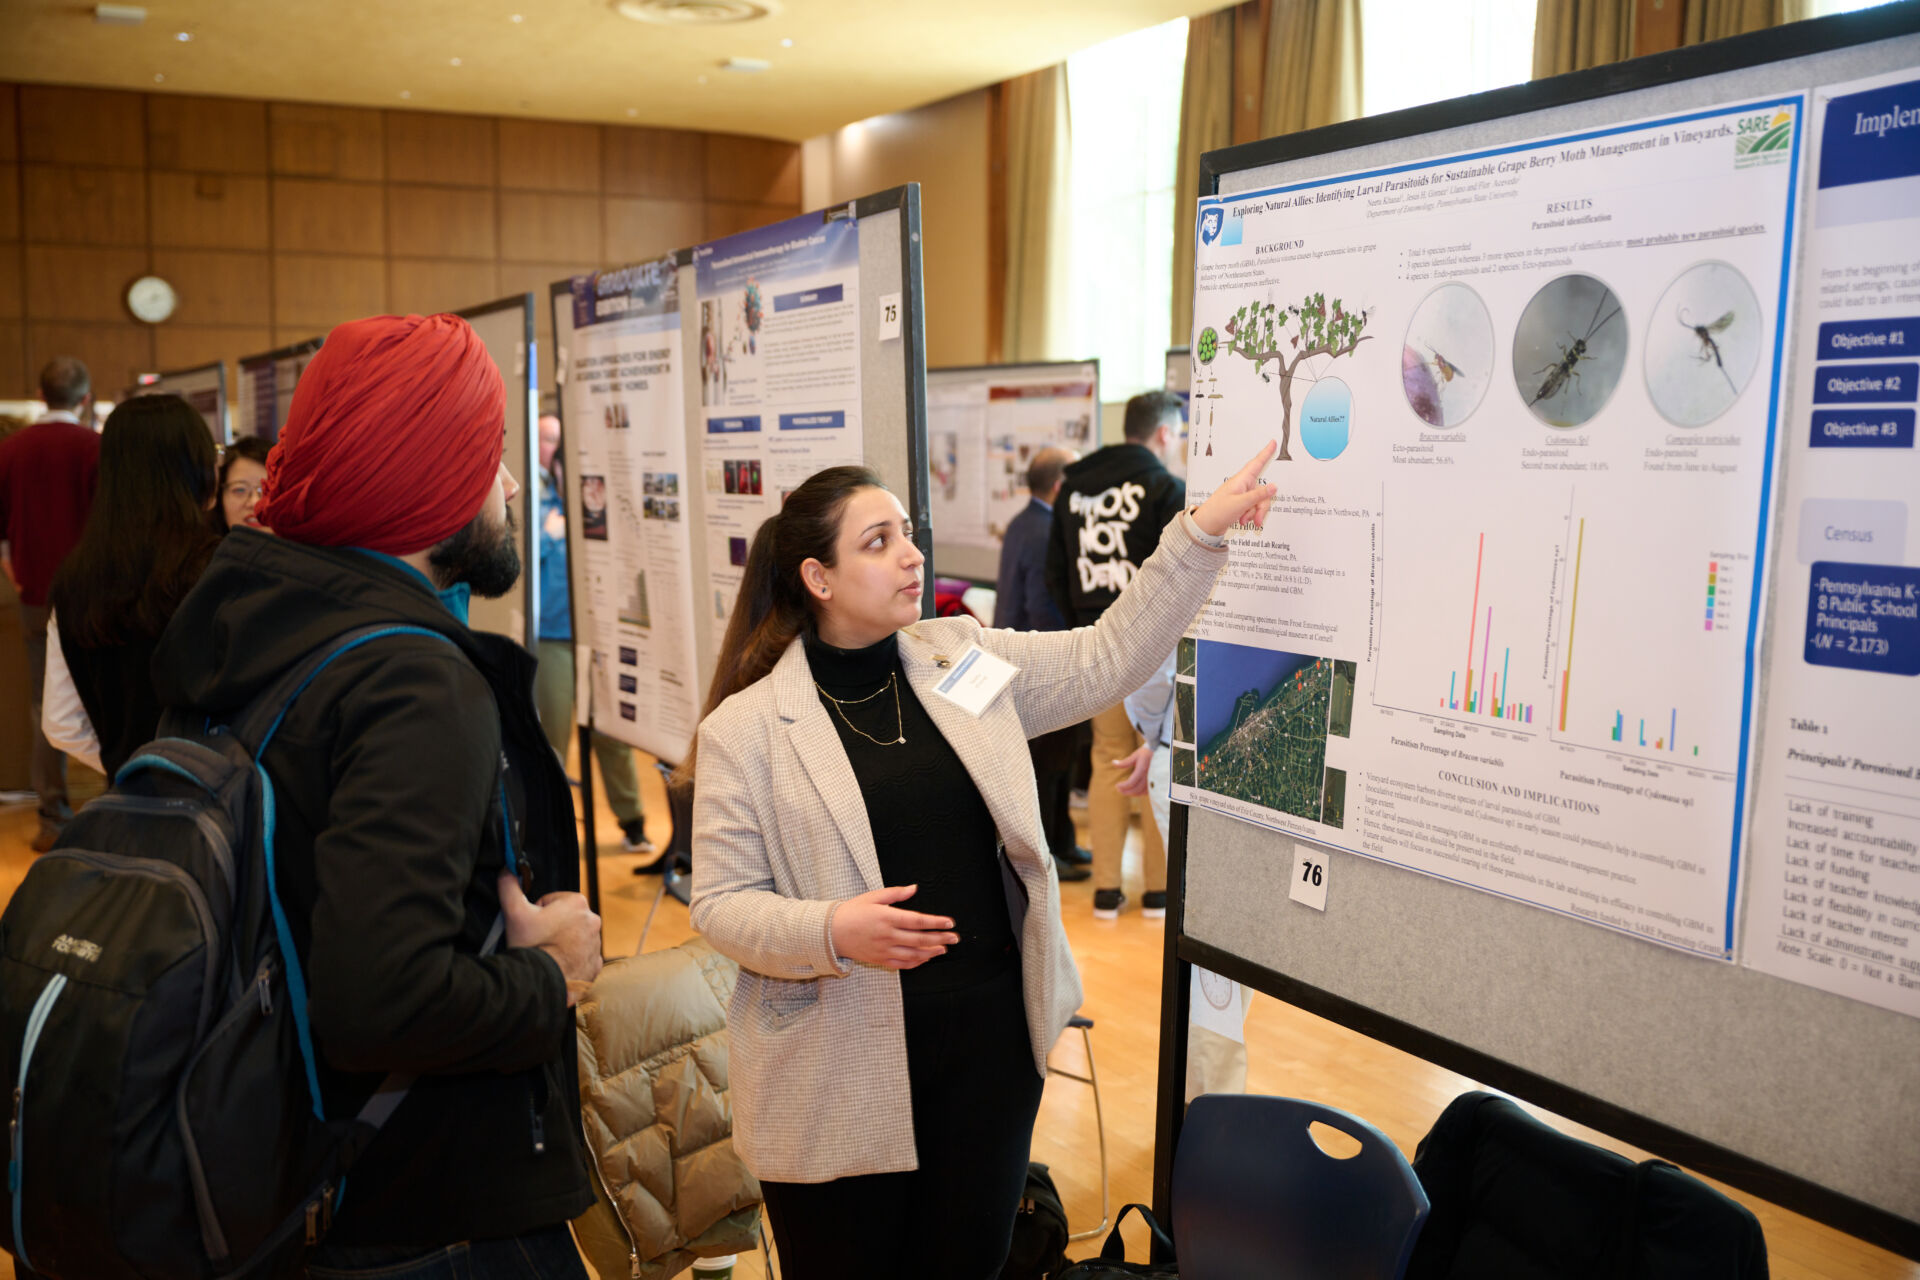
(1763, 139)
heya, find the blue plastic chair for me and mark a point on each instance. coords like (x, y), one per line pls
(1255, 1198)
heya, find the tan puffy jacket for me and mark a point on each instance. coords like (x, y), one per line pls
(659, 1126)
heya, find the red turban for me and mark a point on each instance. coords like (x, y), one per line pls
(393, 439)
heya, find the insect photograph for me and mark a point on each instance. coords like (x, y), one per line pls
(1447, 356)
(1569, 350)
(1698, 363)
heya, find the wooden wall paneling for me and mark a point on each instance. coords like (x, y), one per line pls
(548, 228)
(441, 222)
(16, 382)
(420, 286)
(456, 151)
(668, 164)
(1250, 22)
(547, 155)
(10, 216)
(82, 126)
(214, 135)
(113, 353)
(348, 143)
(13, 289)
(71, 205)
(208, 211)
(314, 293)
(316, 215)
(637, 229)
(730, 219)
(76, 282)
(217, 288)
(752, 170)
(9, 122)
(178, 346)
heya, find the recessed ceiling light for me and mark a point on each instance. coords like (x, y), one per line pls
(787, 43)
(633, 111)
(453, 62)
(518, 17)
(690, 13)
(119, 15)
(159, 78)
(751, 66)
(183, 36)
(406, 93)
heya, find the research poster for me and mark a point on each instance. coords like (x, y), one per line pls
(983, 428)
(779, 324)
(266, 389)
(1834, 899)
(204, 389)
(1501, 627)
(626, 438)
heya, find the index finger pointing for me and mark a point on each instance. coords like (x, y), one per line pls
(1257, 463)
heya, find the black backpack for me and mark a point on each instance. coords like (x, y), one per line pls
(166, 1109)
(1112, 1263)
(1039, 1230)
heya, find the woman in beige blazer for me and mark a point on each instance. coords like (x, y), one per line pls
(887, 1060)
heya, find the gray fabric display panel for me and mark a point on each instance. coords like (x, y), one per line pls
(1808, 1098)
(506, 327)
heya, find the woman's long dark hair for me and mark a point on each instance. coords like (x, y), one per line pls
(774, 605)
(147, 538)
(253, 449)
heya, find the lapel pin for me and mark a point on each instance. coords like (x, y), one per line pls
(941, 660)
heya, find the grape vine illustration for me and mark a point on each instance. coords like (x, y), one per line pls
(1257, 330)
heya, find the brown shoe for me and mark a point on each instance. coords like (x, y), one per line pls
(44, 841)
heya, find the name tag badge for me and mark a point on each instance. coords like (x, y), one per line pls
(976, 680)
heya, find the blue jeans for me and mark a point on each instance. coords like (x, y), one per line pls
(546, 1254)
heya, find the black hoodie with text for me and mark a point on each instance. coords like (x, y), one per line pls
(1112, 507)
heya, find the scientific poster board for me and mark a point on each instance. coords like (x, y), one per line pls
(266, 388)
(506, 327)
(984, 424)
(1598, 440)
(696, 390)
(204, 387)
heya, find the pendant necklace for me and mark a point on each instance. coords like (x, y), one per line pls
(899, 724)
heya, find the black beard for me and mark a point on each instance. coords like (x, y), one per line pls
(485, 557)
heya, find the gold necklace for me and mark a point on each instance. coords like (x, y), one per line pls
(841, 705)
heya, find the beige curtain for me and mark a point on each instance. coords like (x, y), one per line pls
(1572, 35)
(1039, 208)
(1718, 19)
(1312, 73)
(1206, 124)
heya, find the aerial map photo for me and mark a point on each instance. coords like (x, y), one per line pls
(1262, 728)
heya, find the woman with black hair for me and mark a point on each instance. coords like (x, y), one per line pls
(243, 474)
(146, 542)
(867, 845)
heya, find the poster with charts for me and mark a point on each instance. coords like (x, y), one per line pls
(1834, 895)
(1501, 627)
(779, 323)
(626, 441)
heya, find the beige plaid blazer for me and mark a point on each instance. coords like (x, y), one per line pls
(780, 836)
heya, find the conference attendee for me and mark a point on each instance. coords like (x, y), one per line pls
(1112, 505)
(243, 477)
(409, 775)
(553, 683)
(869, 850)
(47, 475)
(144, 546)
(1021, 602)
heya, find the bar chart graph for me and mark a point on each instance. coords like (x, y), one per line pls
(1483, 692)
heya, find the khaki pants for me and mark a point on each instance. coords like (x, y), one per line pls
(1109, 812)
(553, 695)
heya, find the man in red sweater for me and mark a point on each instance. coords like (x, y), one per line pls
(47, 474)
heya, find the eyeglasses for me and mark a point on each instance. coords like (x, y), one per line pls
(245, 492)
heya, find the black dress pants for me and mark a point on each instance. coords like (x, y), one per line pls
(975, 1094)
(1054, 757)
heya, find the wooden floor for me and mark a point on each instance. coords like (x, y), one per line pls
(1289, 1052)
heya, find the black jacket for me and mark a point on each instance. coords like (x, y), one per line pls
(388, 842)
(1112, 507)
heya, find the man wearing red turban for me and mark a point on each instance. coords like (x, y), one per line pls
(412, 779)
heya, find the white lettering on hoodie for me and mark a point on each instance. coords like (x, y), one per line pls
(1106, 519)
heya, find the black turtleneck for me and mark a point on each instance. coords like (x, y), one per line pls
(930, 826)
